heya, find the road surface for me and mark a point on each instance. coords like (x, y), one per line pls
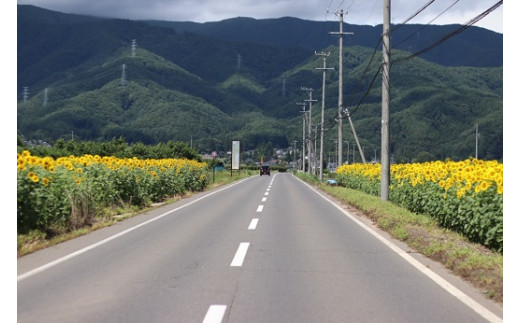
(265, 249)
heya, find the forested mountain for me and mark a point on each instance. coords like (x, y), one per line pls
(210, 84)
(475, 47)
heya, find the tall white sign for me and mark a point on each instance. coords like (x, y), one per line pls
(235, 155)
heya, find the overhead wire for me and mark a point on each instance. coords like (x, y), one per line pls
(415, 14)
(374, 53)
(467, 25)
(376, 74)
(427, 24)
(345, 111)
(397, 27)
(454, 33)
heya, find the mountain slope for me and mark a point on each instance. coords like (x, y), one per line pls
(477, 47)
(182, 86)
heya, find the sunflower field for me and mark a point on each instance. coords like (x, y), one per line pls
(464, 196)
(68, 192)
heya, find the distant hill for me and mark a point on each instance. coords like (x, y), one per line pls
(476, 47)
(186, 83)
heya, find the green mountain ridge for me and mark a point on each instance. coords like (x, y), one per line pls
(186, 87)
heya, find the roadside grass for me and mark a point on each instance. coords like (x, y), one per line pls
(37, 240)
(481, 267)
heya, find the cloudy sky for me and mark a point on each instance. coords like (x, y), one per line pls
(360, 12)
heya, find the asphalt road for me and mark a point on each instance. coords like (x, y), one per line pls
(265, 249)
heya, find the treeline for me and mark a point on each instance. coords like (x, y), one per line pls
(117, 147)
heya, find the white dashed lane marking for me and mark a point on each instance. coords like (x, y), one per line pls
(215, 314)
(238, 260)
(253, 224)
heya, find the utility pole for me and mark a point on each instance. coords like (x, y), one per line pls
(303, 135)
(336, 142)
(324, 69)
(294, 149)
(315, 159)
(310, 100)
(283, 88)
(385, 114)
(348, 152)
(340, 98)
(340, 94)
(239, 61)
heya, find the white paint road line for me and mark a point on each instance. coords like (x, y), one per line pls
(253, 224)
(215, 314)
(481, 310)
(238, 260)
(260, 208)
(264, 199)
(102, 242)
(266, 193)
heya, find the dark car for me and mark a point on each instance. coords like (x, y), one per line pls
(264, 170)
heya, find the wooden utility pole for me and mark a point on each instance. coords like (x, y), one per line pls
(303, 135)
(309, 124)
(385, 114)
(340, 93)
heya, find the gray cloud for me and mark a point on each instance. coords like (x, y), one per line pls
(367, 12)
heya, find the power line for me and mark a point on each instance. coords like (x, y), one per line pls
(428, 23)
(473, 21)
(415, 14)
(454, 33)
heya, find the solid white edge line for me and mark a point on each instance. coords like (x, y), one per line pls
(238, 260)
(215, 314)
(253, 224)
(260, 208)
(97, 244)
(481, 310)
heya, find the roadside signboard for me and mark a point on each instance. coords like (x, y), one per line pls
(235, 155)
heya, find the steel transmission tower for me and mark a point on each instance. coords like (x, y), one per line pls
(25, 93)
(134, 45)
(123, 75)
(45, 97)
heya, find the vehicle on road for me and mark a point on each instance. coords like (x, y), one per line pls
(264, 170)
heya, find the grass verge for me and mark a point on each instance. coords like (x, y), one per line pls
(481, 267)
(37, 240)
